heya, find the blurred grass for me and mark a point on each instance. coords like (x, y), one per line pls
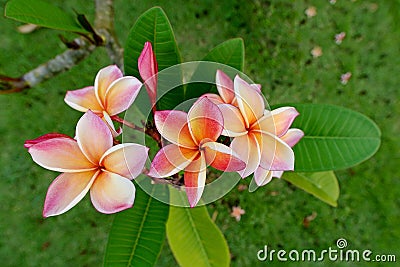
(278, 37)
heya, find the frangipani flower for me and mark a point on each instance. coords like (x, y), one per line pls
(90, 162)
(148, 69)
(225, 90)
(193, 136)
(111, 94)
(258, 133)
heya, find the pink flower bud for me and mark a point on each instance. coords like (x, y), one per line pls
(148, 69)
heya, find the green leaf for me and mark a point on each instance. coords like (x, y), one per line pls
(335, 138)
(137, 234)
(43, 14)
(230, 52)
(153, 26)
(322, 185)
(230, 55)
(194, 238)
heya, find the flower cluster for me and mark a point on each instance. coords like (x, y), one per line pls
(260, 140)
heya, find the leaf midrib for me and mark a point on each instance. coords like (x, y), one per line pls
(198, 239)
(331, 200)
(140, 231)
(315, 185)
(341, 137)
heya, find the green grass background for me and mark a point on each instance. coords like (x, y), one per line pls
(278, 38)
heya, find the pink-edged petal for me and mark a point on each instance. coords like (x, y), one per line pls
(216, 99)
(173, 126)
(125, 159)
(262, 176)
(83, 99)
(205, 120)
(276, 155)
(170, 160)
(277, 174)
(224, 86)
(234, 124)
(292, 136)
(248, 150)
(121, 94)
(93, 136)
(222, 157)
(103, 80)
(250, 102)
(107, 119)
(276, 122)
(256, 87)
(66, 191)
(148, 69)
(60, 154)
(45, 137)
(195, 180)
(111, 193)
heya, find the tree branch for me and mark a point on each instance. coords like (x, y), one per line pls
(60, 63)
(104, 16)
(104, 25)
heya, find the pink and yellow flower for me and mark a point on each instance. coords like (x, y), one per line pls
(90, 162)
(111, 94)
(193, 147)
(262, 138)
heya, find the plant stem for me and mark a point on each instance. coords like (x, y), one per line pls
(151, 131)
(127, 123)
(174, 181)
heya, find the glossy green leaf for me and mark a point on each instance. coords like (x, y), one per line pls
(322, 185)
(43, 14)
(230, 52)
(335, 137)
(194, 238)
(137, 234)
(153, 26)
(230, 55)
